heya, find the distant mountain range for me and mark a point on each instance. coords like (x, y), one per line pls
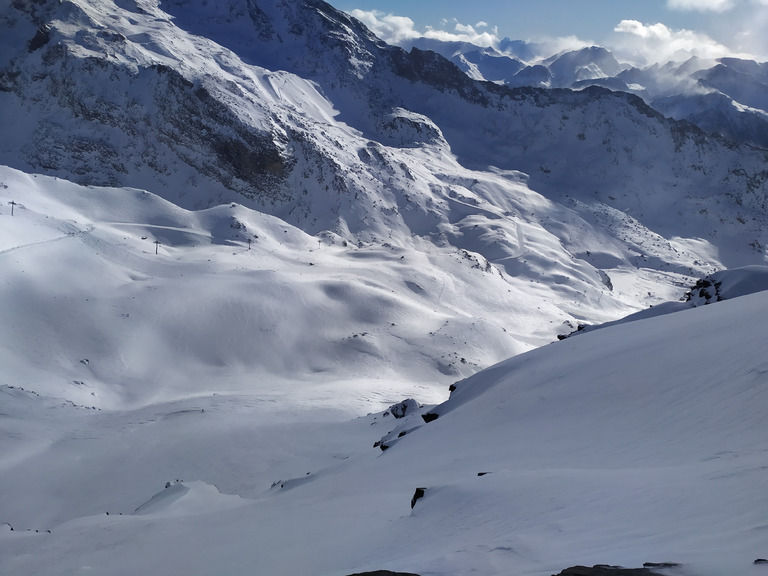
(726, 96)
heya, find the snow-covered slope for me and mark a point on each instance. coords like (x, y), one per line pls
(227, 228)
(98, 314)
(640, 442)
(299, 112)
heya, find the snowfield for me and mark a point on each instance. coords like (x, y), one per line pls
(277, 298)
(238, 378)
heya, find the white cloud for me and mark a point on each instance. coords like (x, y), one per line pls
(748, 33)
(388, 27)
(701, 5)
(401, 29)
(634, 42)
(647, 43)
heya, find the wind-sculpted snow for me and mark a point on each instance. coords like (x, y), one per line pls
(722, 285)
(119, 297)
(636, 443)
(226, 228)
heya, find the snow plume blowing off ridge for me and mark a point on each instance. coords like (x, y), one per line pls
(646, 44)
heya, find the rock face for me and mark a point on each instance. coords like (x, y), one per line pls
(417, 495)
(606, 570)
(383, 573)
(728, 284)
(408, 406)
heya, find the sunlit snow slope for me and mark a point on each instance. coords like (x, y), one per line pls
(639, 442)
(228, 228)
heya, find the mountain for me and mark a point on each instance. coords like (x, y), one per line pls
(589, 63)
(721, 97)
(602, 449)
(718, 113)
(724, 96)
(229, 229)
(300, 136)
(745, 80)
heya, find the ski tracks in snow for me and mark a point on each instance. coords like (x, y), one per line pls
(87, 230)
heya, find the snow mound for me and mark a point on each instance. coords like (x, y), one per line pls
(188, 498)
(163, 500)
(728, 284)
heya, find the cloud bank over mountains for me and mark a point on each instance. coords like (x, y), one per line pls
(656, 43)
(401, 29)
(638, 43)
(742, 22)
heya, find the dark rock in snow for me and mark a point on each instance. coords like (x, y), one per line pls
(758, 561)
(400, 409)
(419, 493)
(607, 570)
(429, 417)
(41, 38)
(383, 573)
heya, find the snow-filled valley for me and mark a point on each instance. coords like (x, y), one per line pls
(639, 442)
(278, 298)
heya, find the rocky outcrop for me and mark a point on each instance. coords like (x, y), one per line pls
(607, 570)
(383, 573)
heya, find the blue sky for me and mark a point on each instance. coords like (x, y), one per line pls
(657, 26)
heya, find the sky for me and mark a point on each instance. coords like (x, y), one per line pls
(650, 30)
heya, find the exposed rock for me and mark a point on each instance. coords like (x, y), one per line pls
(383, 573)
(429, 417)
(607, 570)
(419, 493)
(400, 409)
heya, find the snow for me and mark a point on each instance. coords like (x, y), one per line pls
(742, 281)
(721, 96)
(81, 269)
(593, 454)
(207, 374)
(125, 370)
